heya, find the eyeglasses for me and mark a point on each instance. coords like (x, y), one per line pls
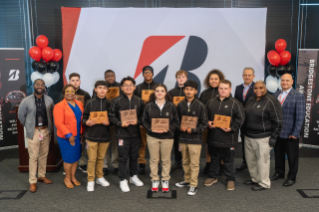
(69, 91)
(147, 72)
(128, 86)
(39, 85)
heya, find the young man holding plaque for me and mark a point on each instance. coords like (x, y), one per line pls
(160, 120)
(144, 90)
(126, 114)
(226, 115)
(193, 115)
(97, 134)
(178, 95)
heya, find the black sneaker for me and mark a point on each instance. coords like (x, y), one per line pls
(206, 168)
(142, 168)
(83, 168)
(177, 166)
(192, 191)
(182, 184)
(105, 171)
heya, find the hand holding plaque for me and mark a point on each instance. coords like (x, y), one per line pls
(160, 125)
(112, 93)
(178, 99)
(100, 117)
(128, 117)
(146, 95)
(189, 122)
(222, 121)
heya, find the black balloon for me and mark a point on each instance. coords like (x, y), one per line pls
(35, 65)
(280, 70)
(53, 66)
(42, 67)
(272, 70)
(290, 69)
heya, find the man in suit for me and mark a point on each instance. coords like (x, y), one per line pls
(242, 93)
(293, 108)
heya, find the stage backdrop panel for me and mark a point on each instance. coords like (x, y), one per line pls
(169, 39)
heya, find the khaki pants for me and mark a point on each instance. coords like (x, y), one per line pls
(142, 152)
(96, 152)
(115, 152)
(160, 149)
(258, 160)
(190, 160)
(38, 154)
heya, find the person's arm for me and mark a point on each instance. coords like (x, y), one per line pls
(202, 120)
(59, 116)
(299, 115)
(22, 112)
(86, 114)
(140, 119)
(146, 118)
(114, 113)
(238, 117)
(276, 120)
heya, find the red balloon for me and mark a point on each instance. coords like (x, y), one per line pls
(42, 41)
(35, 53)
(57, 55)
(271, 51)
(274, 59)
(280, 45)
(47, 54)
(285, 57)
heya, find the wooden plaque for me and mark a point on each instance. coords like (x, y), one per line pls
(222, 121)
(189, 122)
(160, 124)
(178, 99)
(146, 95)
(80, 98)
(128, 115)
(99, 116)
(112, 93)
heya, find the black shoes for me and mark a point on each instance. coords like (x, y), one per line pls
(177, 166)
(241, 167)
(289, 183)
(276, 176)
(258, 188)
(142, 168)
(105, 171)
(83, 168)
(250, 182)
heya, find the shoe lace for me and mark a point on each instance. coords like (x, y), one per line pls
(192, 189)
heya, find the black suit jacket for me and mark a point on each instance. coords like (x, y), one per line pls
(239, 93)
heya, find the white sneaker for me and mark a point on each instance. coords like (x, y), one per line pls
(102, 181)
(90, 186)
(192, 191)
(155, 185)
(165, 186)
(124, 186)
(134, 180)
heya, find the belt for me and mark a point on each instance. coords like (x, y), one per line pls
(41, 128)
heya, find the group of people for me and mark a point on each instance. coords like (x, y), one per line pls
(263, 121)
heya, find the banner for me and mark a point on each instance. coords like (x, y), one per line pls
(12, 92)
(306, 84)
(196, 40)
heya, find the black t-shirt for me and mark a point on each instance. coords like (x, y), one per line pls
(41, 112)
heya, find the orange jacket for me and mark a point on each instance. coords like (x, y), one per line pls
(64, 118)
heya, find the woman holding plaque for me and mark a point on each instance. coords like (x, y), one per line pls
(212, 81)
(160, 120)
(261, 128)
(68, 121)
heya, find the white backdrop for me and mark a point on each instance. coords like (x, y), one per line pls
(112, 38)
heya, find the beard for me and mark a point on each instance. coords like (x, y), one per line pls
(38, 92)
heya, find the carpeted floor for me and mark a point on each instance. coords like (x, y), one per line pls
(57, 197)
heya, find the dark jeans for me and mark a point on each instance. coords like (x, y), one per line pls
(243, 147)
(225, 154)
(128, 150)
(177, 153)
(291, 148)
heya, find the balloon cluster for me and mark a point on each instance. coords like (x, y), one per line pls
(47, 68)
(278, 65)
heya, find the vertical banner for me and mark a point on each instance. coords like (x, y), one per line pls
(306, 84)
(12, 92)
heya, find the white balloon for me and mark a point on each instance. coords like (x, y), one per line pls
(272, 86)
(279, 83)
(48, 79)
(270, 78)
(36, 75)
(56, 76)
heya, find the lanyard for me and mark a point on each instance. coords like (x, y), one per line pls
(282, 100)
(245, 93)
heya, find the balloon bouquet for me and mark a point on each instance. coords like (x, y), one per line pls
(46, 69)
(278, 65)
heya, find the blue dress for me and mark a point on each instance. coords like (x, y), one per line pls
(71, 154)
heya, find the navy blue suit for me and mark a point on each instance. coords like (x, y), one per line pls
(239, 96)
(293, 109)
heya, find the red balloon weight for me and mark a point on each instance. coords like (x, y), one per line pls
(42, 41)
(47, 54)
(57, 55)
(35, 53)
(280, 45)
(274, 59)
(271, 51)
(285, 57)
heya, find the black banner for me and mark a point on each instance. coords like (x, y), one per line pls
(12, 91)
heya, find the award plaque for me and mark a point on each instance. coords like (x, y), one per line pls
(99, 116)
(128, 115)
(178, 99)
(112, 93)
(222, 121)
(80, 98)
(146, 95)
(160, 124)
(189, 122)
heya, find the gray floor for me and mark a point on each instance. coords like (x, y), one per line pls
(57, 197)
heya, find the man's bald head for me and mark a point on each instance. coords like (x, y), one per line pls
(286, 81)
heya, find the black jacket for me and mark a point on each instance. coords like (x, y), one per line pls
(153, 111)
(177, 91)
(197, 109)
(144, 86)
(263, 118)
(115, 84)
(79, 92)
(97, 132)
(228, 107)
(124, 103)
(239, 93)
(208, 94)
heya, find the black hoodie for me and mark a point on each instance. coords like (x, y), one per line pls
(124, 103)
(144, 86)
(97, 132)
(208, 94)
(177, 91)
(228, 107)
